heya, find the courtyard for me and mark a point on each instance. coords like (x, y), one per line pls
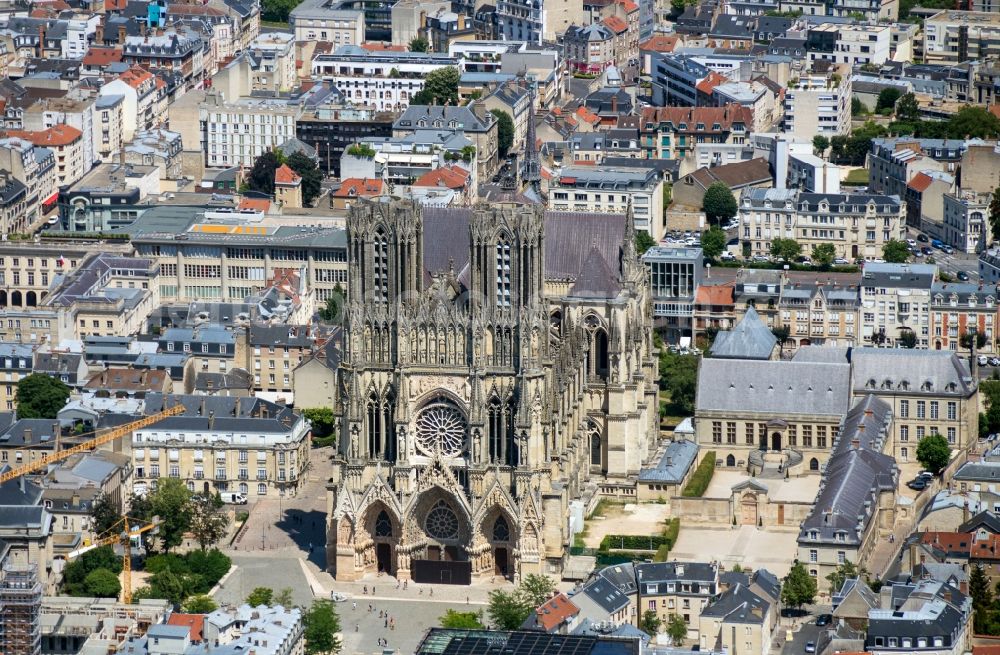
(611, 518)
(793, 490)
(746, 545)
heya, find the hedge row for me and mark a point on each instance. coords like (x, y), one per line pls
(632, 542)
(701, 477)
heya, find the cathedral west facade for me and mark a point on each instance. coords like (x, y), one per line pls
(497, 362)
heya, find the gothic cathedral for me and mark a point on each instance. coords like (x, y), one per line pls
(497, 364)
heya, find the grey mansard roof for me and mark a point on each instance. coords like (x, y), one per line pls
(750, 339)
(773, 387)
(878, 370)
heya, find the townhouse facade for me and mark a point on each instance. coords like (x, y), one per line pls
(606, 189)
(818, 103)
(959, 309)
(964, 220)
(954, 37)
(219, 443)
(675, 132)
(235, 133)
(895, 299)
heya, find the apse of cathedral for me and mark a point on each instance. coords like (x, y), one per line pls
(497, 365)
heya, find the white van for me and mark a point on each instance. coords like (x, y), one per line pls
(233, 498)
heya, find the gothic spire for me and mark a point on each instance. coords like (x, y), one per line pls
(531, 174)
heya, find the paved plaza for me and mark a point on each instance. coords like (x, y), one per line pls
(747, 545)
(796, 490)
(625, 519)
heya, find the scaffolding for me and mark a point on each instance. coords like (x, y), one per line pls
(20, 608)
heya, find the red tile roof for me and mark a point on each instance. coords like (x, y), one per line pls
(587, 116)
(991, 649)
(628, 5)
(708, 84)
(379, 46)
(285, 175)
(555, 611)
(615, 24)
(57, 135)
(451, 177)
(659, 43)
(135, 76)
(715, 294)
(356, 187)
(255, 204)
(920, 182)
(692, 116)
(949, 542)
(100, 56)
(196, 623)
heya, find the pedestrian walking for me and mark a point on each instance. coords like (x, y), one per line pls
(386, 623)
(432, 592)
(364, 590)
(404, 584)
(356, 627)
(355, 603)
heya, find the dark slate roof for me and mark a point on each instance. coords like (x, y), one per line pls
(677, 459)
(30, 432)
(738, 605)
(622, 576)
(979, 471)
(930, 609)
(236, 378)
(439, 116)
(605, 594)
(286, 336)
(750, 339)
(768, 582)
(773, 387)
(984, 519)
(17, 494)
(569, 239)
(443, 641)
(57, 362)
(597, 280)
(915, 370)
(225, 413)
(853, 478)
(659, 572)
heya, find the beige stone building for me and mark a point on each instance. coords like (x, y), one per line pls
(66, 142)
(273, 352)
(245, 445)
(314, 380)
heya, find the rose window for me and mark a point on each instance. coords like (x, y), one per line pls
(441, 430)
(441, 522)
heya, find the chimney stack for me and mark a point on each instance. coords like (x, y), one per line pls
(41, 41)
(121, 35)
(99, 36)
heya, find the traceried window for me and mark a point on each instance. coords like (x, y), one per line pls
(441, 429)
(501, 530)
(383, 526)
(441, 522)
(503, 273)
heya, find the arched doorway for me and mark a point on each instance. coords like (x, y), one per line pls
(442, 528)
(813, 464)
(730, 460)
(31, 299)
(748, 509)
(498, 529)
(15, 299)
(776, 441)
(384, 530)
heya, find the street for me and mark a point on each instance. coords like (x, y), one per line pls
(797, 646)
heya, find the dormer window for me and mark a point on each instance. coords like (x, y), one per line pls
(927, 386)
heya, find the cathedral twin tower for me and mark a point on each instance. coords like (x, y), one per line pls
(489, 377)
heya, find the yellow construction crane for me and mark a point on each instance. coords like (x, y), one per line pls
(87, 446)
(122, 533)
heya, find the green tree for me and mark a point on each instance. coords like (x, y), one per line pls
(907, 108)
(283, 598)
(933, 452)
(312, 176)
(332, 311)
(841, 573)
(713, 241)
(321, 419)
(799, 587)
(277, 11)
(650, 623)
(820, 144)
(508, 609)
(982, 600)
(537, 588)
(823, 254)
(994, 216)
(966, 340)
(172, 503)
(40, 396)
(895, 251)
(505, 131)
(907, 339)
(719, 204)
(781, 333)
(207, 523)
(858, 108)
(786, 249)
(200, 604)
(972, 122)
(104, 513)
(260, 596)
(440, 88)
(261, 176)
(887, 98)
(419, 44)
(462, 620)
(677, 629)
(102, 583)
(679, 377)
(643, 242)
(321, 627)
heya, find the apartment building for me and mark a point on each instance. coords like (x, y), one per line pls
(27, 271)
(675, 277)
(819, 103)
(145, 98)
(274, 62)
(36, 169)
(181, 53)
(74, 112)
(617, 190)
(331, 127)
(237, 132)
(851, 44)
(893, 162)
(675, 132)
(590, 49)
(858, 225)
(385, 80)
(221, 443)
(233, 256)
(964, 221)
(109, 126)
(66, 143)
(327, 20)
(954, 37)
(16, 361)
(676, 588)
(273, 352)
(957, 310)
(896, 298)
(819, 313)
(473, 122)
(211, 347)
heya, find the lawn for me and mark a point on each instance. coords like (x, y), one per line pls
(857, 177)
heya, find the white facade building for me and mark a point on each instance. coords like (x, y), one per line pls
(236, 133)
(818, 104)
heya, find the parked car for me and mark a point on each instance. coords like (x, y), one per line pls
(994, 361)
(948, 250)
(761, 258)
(925, 475)
(937, 243)
(810, 647)
(963, 276)
(841, 261)
(911, 242)
(823, 619)
(926, 250)
(983, 360)
(727, 256)
(922, 238)
(917, 484)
